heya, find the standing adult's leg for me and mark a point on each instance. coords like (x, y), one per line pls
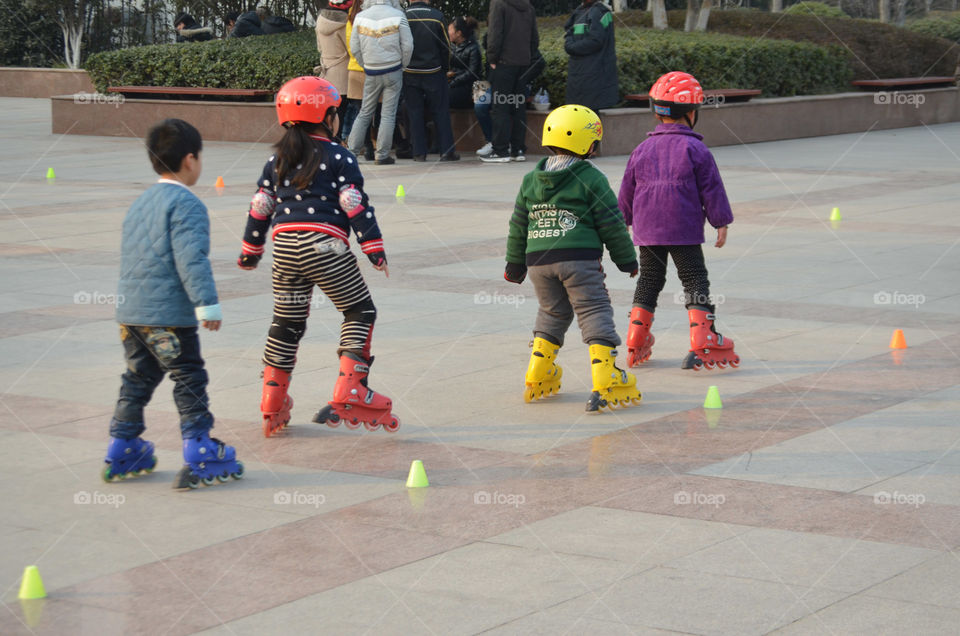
(518, 121)
(392, 85)
(372, 87)
(438, 95)
(501, 85)
(413, 97)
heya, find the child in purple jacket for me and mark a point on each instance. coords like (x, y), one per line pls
(671, 185)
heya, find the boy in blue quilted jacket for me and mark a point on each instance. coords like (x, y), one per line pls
(166, 288)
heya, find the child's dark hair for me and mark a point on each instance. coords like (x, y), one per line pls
(298, 156)
(557, 150)
(466, 25)
(169, 142)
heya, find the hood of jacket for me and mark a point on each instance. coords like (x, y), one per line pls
(195, 31)
(548, 183)
(390, 3)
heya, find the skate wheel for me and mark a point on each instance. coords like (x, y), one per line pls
(352, 424)
(371, 426)
(710, 364)
(392, 425)
(735, 363)
(152, 465)
(225, 476)
(106, 474)
(193, 482)
(238, 474)
(635, 401)
(529, 396)
(722, 364)
(208, 481)
(633, 358)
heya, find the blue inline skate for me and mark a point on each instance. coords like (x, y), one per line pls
(128, 457)
(206, 459)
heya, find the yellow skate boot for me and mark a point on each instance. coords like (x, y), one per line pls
(611, 386)
(543, 374)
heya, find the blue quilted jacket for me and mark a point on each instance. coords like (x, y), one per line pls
(165, 275)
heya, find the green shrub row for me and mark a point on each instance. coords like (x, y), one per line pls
(872, 49)
(264, 62)
(821, 9)
(776, 67)
(947, 28)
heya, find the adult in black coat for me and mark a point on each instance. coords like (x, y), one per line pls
(271, 24)
(244, 24)
(592, 70)
(466, 65)
(189, 30)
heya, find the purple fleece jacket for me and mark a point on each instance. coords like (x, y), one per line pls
(670, 186)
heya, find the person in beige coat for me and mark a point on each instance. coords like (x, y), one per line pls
(332, 42)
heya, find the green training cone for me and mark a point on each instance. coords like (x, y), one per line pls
(712, 400)
(835, 214)
(51, 174)
(418, 476)
(32, 585)
(400, 192)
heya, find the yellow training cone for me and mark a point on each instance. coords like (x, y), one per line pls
(31, 586)
(712, 400)
(418, 476)
(401, 192)
(835, 215)
(51, 174)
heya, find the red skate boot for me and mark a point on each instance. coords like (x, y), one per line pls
(275, 403)
(355, 403)
(707, 347)
(639, 339)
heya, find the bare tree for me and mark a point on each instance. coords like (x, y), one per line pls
(776, 6)
(883, 9)
(659, 10)
(698, 13)
(620, 6)
(71, 16)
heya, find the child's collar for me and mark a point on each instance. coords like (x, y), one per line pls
(174, 182)
(319, 137)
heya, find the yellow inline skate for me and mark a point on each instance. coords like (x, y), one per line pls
(611, 386)
(543, 374)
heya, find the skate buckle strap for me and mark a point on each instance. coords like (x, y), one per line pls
(361, 368)
(369, 397)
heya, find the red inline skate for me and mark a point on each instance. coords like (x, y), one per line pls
(639, 339)
(275, 403)
(707, 347)
(355, 403)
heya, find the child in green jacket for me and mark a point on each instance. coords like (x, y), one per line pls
(564, 216)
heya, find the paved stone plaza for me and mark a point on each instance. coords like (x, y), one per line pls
(823, 498)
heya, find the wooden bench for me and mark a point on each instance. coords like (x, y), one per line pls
(195, 93)
(905, 83)
(711, 97)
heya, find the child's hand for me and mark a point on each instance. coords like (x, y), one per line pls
(721, 236)
(379, 262)
(248, 261)
(212, 325)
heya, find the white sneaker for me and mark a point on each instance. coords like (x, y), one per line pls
(495, 158)
(520, 156)
(486, 149)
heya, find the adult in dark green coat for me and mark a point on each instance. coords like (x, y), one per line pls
(592, 71)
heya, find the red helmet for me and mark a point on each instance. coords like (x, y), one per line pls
(675, 94)
(306, 99)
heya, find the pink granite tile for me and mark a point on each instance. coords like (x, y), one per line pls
(23, 412)
(256, 572)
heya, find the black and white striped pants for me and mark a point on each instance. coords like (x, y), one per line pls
(297, 267)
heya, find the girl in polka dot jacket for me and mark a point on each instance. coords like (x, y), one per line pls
(310, 196)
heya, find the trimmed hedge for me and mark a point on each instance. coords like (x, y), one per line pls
(821, 9)
(776, 67)
(263, 62)
(947, 28)
(872, 49)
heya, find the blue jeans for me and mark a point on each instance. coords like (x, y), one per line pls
(388, 85)
(482, 111)
(152, 352)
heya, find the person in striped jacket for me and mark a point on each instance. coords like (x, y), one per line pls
(309, 197)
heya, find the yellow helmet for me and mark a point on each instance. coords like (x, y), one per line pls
(572, 127)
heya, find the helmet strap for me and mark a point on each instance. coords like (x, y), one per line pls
(696, 117)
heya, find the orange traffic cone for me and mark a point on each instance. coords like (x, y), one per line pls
(898, 341)
(219, 183)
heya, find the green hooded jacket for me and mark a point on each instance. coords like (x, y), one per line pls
(567, 215)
